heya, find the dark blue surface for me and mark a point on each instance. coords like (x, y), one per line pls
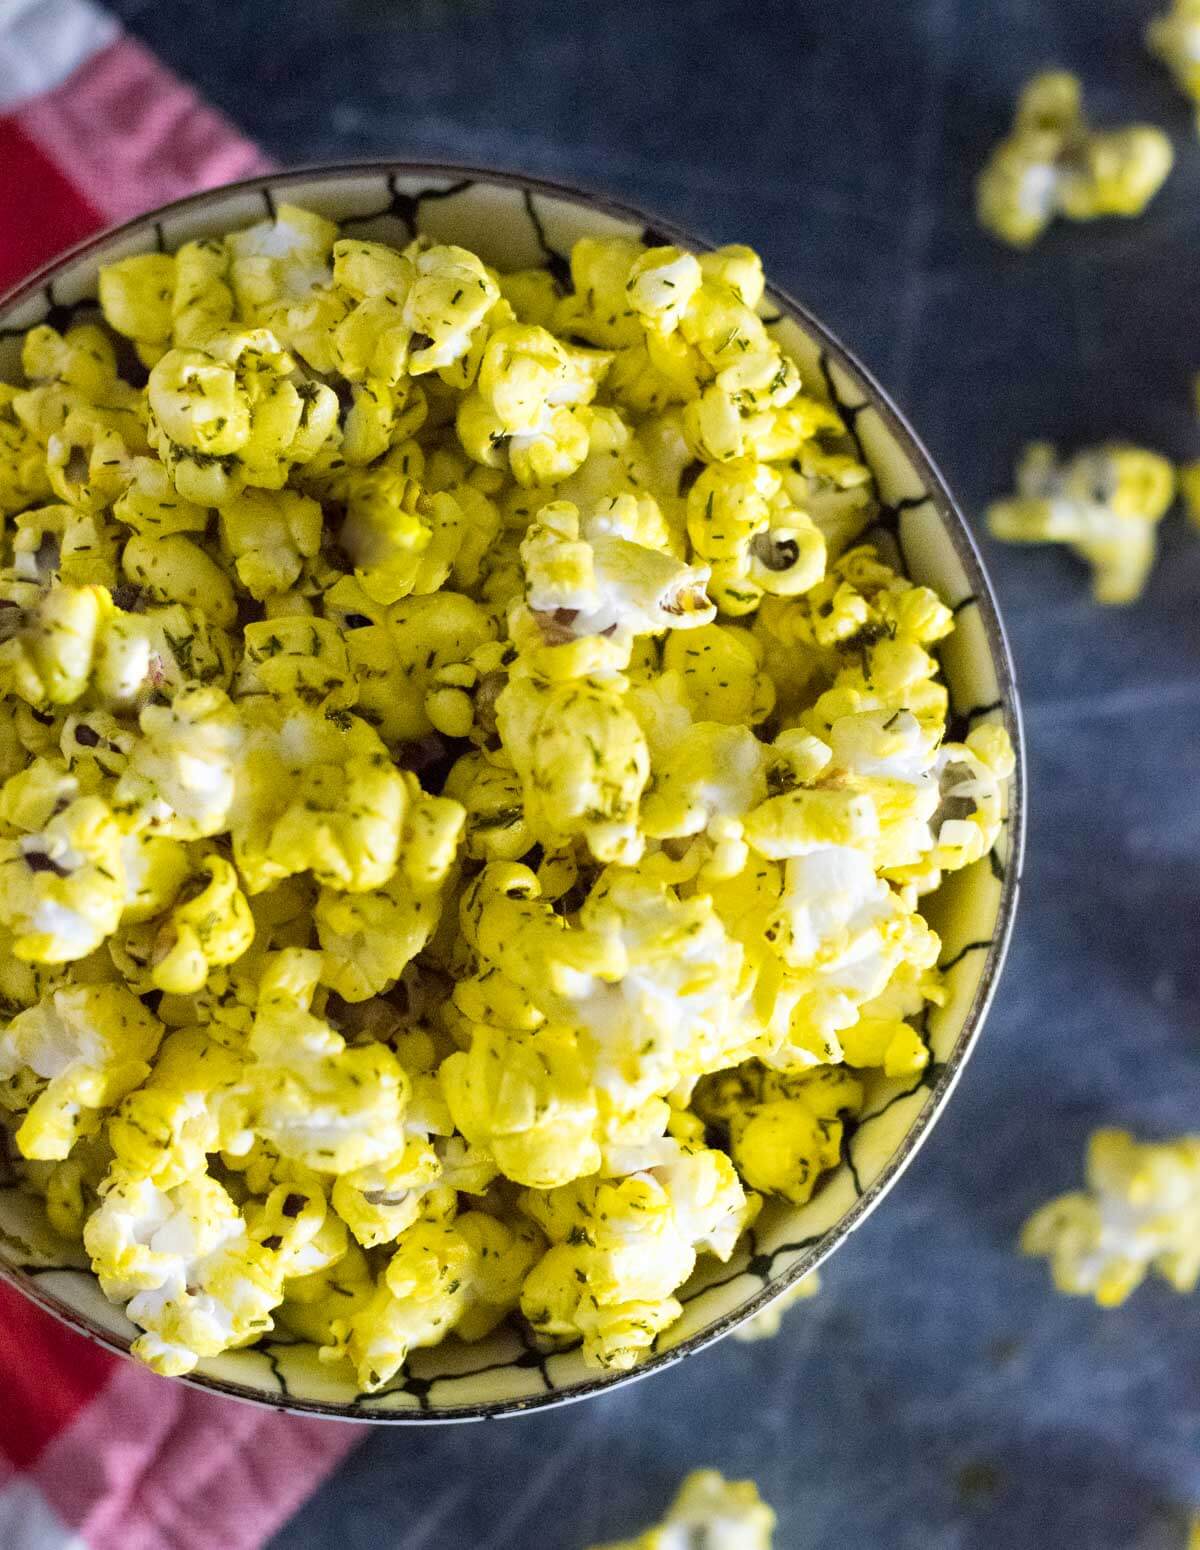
(937, 1396)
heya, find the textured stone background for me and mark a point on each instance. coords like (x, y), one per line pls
(936, 1395)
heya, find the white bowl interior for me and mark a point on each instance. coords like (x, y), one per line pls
(515, 224)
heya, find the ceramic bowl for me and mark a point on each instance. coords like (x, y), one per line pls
(513, 222)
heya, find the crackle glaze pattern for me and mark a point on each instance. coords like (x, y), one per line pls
(513, 223)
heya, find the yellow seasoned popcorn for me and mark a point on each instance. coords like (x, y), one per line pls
(197, 1277)
(234, 413)
(137, 297)
(465, 795)
(527, 406)
(1175, 38)
(368, 938)
(209, 924)
(24, 477)
(1055, 163)
(709, 1511)
(620, 1249)
(165, 1129)
(309, 1095)
(1140, 1212)
(581, 758)
(62, 885)
(1189, 474)
(462, 1275)
(1105, 503)
(70, 1057)
(784, 1131)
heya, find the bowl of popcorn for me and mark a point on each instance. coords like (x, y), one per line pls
(510, 801)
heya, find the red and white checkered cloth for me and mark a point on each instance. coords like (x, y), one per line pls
(95, 1452)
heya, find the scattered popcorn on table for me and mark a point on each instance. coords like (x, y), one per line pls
(465, 797)
(1140, 1212)
(1189, 488)
(1189, 474)
(1175, 38)
(709, 1513)
(1054, 163)
(768, 1323)
(1104, 503)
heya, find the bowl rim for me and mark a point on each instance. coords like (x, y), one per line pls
(955, 525)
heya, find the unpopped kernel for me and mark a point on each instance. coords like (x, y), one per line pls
(465, 791)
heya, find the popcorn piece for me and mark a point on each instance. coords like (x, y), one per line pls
(1104, 503)
(525, 1099)
(280, 272)
(1055, 163)
(451, 296)
(544, 726)
(181, 773)
(526, 407)
(380, 1202)
(331, 1107)
(1175, 38)
(76, 371)
(496, 829)
(621, 1249)
(203, 303)
(24, 479)
(210, 925)
(49, 660)
(313, 1302)
(720, 667)
(234, 413)
(709, 1511)
(678, 1007)
(707, 784)
(368, 938)
(62, 886)
(189, 1270)
(174, 569)
(157, 652)
(165, 1130)
(598, 307)
(150, 506)
(315, 792)
(297, 657)
(70, 1057)
(401, 540)
(270, 534)
(592, 578)
(785, 1131)
(427, 635)
(836, 490)
(136, 298)
(462, 1275)
(1140, 1212)
(741, 519)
